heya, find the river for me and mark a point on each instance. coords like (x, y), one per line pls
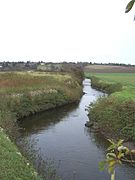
(60, 136)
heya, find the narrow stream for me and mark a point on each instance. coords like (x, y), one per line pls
(60, 135)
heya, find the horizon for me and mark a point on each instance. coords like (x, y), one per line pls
(89, 62)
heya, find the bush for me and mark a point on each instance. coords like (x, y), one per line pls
(115, 117)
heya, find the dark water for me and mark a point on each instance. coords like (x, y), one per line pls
(60, 135)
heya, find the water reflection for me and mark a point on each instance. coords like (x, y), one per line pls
(99, 140)
(45, 120)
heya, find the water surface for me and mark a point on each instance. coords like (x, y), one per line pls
(60, 135)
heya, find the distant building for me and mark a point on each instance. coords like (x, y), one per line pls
(49, 67)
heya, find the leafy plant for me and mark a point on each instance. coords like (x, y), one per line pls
(116, 154)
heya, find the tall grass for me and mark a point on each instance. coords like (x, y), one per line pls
(25, 93)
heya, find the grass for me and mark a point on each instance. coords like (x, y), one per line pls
(23, 82)
(126, 79)
(115, 114)
(22, 94)
(12, 164)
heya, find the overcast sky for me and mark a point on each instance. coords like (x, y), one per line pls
(67, 30)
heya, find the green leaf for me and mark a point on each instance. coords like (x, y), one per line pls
(102, 165)
(129, 6)
(111, 141)
(120, 155)
(112, 155)
(112, 163)
(120, 162)
(133, 151)
(120, 142)
(112, 147)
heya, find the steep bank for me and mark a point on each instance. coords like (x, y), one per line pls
(25, 93)
(114, 115)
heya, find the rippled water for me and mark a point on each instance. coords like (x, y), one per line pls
(60, 135)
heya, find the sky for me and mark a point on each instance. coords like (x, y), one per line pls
(67, 30)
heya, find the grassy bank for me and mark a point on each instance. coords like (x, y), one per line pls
(27, 93)
(12, 164)
(115, 114)
(22, 94)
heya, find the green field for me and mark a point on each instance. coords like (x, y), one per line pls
(115, 114)
(126, 79)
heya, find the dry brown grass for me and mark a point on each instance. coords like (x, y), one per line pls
(109, 69)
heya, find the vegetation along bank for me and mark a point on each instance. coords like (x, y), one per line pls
(114, 115)
(25, 93)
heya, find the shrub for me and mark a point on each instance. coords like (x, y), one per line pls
(114, 116)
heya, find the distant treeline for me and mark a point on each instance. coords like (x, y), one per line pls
(114, 64)
(49, 66)
(40, 66)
